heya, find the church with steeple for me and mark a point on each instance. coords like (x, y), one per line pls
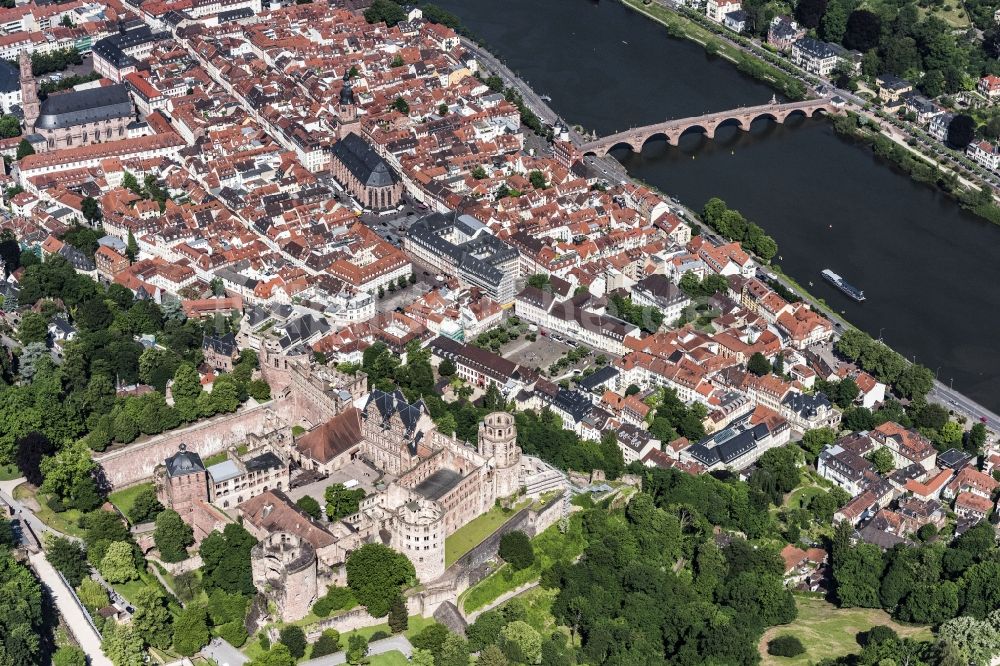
(75, 118)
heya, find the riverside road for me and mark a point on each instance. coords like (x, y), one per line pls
(928, 268)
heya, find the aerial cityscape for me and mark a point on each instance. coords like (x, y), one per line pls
(566, 333)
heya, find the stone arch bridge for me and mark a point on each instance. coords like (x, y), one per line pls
(672, 130)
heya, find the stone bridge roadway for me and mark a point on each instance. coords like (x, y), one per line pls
(672, 130)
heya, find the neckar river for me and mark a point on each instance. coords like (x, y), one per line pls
(929, 270)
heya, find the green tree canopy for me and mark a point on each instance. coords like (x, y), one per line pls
(172, 536)
(118, 563)
(516, 550)
(375, 573)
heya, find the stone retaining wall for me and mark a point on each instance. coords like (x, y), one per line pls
(135, 463)
(356, 618)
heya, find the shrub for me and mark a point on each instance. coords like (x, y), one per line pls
(398, 618)
(327, 643)
(516, 550)
(377, 636)
(294, 639)
(322, 607)
(785, 646)
(336, 598)
(879, 634)
(234, 632)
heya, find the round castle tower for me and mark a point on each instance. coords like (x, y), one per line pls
(419, 534)
(284, 569)
(498, 444)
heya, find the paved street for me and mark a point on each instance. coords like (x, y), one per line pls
(223, 653)
(83, 630)
(957, 402)
(400, 298)
(532, 99)
(7, 495)
(72, 613)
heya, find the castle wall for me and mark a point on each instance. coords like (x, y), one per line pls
(356, 618)
(136, 462)
(307, 401)
(473, 567)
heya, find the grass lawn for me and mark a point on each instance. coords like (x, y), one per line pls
(827, 631)
(800, 497)
(201, 597)
(131, 588)
(215, 459)
(8, 472)
(951, 12)
(538, 604)
(124, 499)
(66, 522)
(394, 658)
(472, 533)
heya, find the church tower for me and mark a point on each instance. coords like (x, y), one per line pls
(498, 443)
(29, 94)
(347, 112)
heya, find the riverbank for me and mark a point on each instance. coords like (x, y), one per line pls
(757, 61)
(920, 169)
(680, 26)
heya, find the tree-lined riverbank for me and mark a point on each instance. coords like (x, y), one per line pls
(683, 27)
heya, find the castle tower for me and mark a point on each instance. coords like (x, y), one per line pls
(182, 483)
(419, 531)
(284, 568)
(498, 442)
(29, 94)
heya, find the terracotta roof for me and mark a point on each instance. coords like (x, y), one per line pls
(792, 556)
(974, 502)
(274, 512)
(333, 438)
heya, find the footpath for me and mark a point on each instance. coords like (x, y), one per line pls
(83, 631)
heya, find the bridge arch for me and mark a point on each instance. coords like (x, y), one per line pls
(769, 115)
(795, 112)
(733, 121)
(656, 136)
(623, 143)
(708, 129)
